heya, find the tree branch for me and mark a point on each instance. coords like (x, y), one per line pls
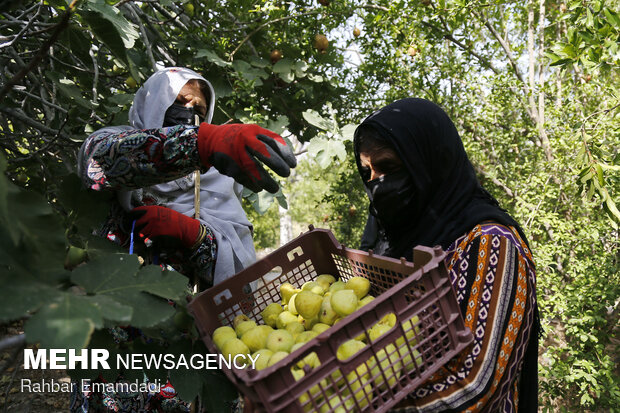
(448, 36)
(62, 25)
(262, 26)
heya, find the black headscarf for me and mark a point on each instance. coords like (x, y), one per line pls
(450, 200)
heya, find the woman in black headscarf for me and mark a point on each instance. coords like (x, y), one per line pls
(423, 191)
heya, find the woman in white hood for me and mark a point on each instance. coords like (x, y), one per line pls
(150, 164)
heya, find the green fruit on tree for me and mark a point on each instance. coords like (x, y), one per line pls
(189, 9)
(321, 43)
(131, 83)
(308, 304)
(359, 285)
(270, 314)
(280, 340)
(284, 318)
(75, 256)
(344, 302)
(264, 354)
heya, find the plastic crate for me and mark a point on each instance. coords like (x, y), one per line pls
(421, 289)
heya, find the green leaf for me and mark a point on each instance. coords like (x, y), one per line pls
(300, 68)
(165, 284)
(69, 89)
(218, 391)
(315, 119)
(105, 274)
(249, 72)
(21, 296)
(323, 151)
(124, 28)
(348, 131)
(263, 201)
(599, 173)
(65, 323)
(112, 309)
(118, 277)
(279, 125)
(283, 66)
(212, 57)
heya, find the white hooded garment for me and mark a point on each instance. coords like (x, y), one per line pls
(220, 195)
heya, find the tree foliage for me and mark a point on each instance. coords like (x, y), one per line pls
(532, 87)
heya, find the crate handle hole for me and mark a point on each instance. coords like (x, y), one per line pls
(297, 251)
(273, 274)
(224, 295)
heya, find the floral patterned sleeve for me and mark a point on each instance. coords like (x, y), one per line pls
(131, 159)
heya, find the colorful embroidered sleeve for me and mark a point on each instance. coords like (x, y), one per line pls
(493, 275)
(202, 259)
(133, 159)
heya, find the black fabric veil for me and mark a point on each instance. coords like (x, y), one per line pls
(450, 198)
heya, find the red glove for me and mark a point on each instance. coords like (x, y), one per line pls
(237, 150)
(156, 221)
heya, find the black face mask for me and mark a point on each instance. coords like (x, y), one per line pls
(393, 199)
(181, 115)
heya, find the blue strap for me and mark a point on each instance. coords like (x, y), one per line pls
(133, 226)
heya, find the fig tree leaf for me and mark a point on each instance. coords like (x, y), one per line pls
(315, 119)
(117, 276)
(23, 295)
(64, 323)
(165, 284)
(212, 57)
(283, 66)
(124, 28)
(324, 150)
(112, 309)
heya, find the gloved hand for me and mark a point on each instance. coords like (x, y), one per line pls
(156, 221)
(236, 149)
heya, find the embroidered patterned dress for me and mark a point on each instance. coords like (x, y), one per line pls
(135, 159)
(493, 274)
